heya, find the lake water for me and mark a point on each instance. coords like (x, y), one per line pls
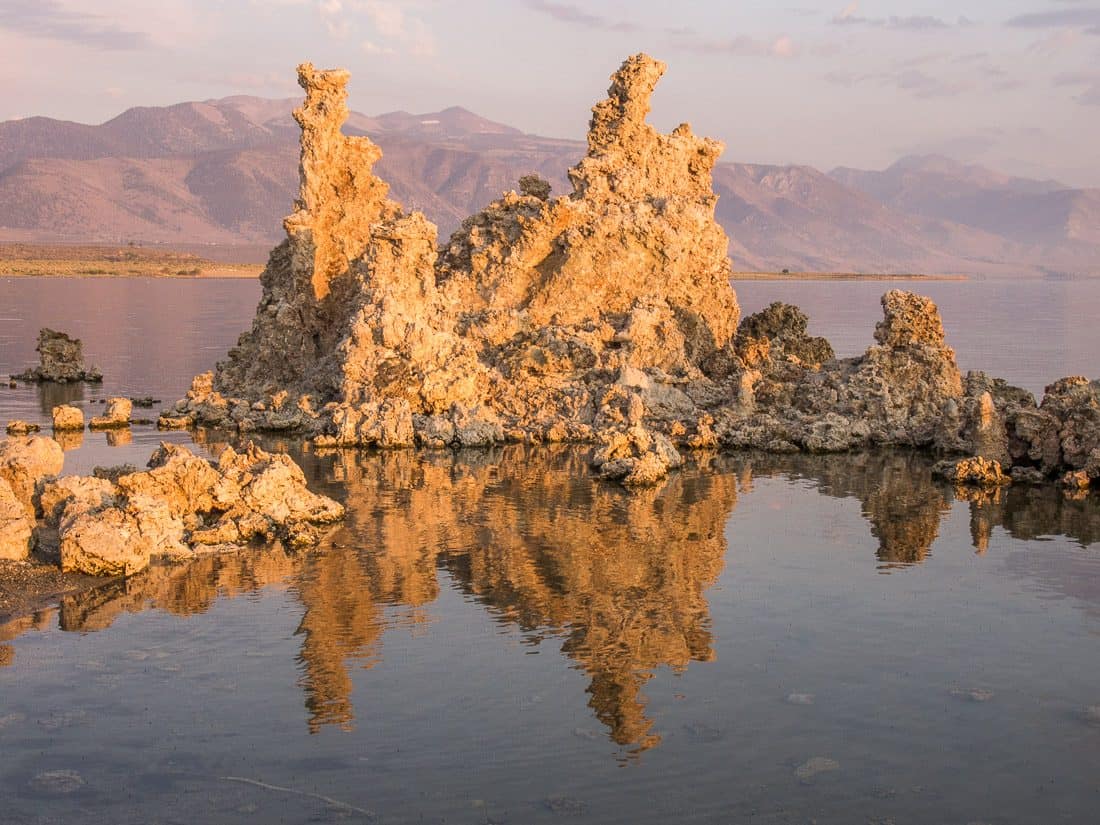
(494, 637)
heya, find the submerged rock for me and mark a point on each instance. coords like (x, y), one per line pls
(61, 359)
(58, 782)
(812, 767)
(20, 427)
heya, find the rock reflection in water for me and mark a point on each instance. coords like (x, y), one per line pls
(544, 547)
(530, 535)
(51, 394)
(895, 488)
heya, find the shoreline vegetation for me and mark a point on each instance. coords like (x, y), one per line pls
(35, 260)
(24, 260)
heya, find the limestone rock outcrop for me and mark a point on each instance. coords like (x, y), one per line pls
(16, 526)
(897, 393)
(25, 462)
(371, 334)
(183, 505)
(20, 427)
(67, 418)
(602, 316)
(61, 359)
(778, 333)
(116, 415)
(975, 471)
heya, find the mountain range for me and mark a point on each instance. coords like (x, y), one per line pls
(224, 172)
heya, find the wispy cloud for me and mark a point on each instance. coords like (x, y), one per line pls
(1088, 82)
(576, 16)
(394, 26)
(399, 28)
(915, 81)
(739, 46)
(1061, 18)
(850, 16)
(685, 39)
(51, 20)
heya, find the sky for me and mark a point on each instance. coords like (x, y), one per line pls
(1011, 84)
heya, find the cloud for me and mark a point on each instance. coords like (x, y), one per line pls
(394, 26)
(741, 45)
(1089, 83)
(1087, 19)
(681, 38)
(49, 19)
(783, 47)
(916, 82)
(920, 22)
(576, 16)
(397, 27)
(1058, 41)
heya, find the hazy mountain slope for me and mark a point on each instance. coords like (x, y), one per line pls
(1042, 213)
(106, 199)
(225, 171)
(795, 217)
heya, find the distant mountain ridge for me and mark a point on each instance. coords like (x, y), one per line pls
(225, 171)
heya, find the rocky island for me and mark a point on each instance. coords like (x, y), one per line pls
(602, 316)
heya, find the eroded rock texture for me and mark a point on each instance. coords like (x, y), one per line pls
(61, 359)
(604, 316)
(519, 328)
(182, 505)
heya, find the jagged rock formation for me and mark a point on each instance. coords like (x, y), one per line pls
(61, 359)
(520, 329)
(183, 505)
(975, 471)
(180, 506)
(603, 316)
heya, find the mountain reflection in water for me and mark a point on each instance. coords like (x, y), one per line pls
(618, 579)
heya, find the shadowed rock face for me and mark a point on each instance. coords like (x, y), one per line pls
(61, 360)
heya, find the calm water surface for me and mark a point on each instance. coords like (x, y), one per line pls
(492, 637)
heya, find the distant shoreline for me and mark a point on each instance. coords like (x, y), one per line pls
(61, 260)
(839, 276)
(25, 260)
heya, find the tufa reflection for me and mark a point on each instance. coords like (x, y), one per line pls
(619, 579)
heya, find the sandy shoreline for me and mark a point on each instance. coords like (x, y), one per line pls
(29, 586)
(21, 260)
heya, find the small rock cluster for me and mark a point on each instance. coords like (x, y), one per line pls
(116, 522)
(61, 359)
